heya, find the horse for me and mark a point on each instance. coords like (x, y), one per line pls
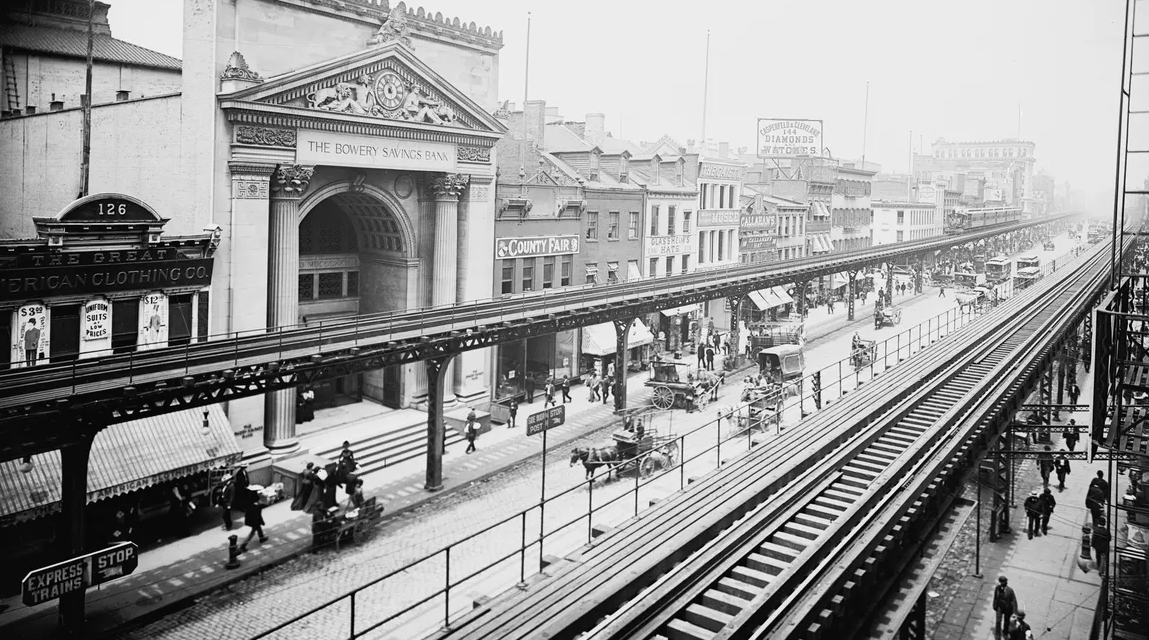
(593, 458)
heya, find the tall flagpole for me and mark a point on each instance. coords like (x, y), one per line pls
(705, 91)
(85, 162)
(865, 125)
(1019, 121)
(526, 82)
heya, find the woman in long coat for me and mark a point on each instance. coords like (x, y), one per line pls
(306, 484)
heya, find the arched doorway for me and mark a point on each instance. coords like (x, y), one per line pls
(353, 258)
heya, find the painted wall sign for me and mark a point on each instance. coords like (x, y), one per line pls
(670, 245)
(153, 321)
(719, 218)
(537, 246)
(789, 138)
(759, 221)
(30, 336)
(21, 284)
(86, 258)
(758, 243)
(720, 172)
(108, 207)
(97, 320)
(342, 150)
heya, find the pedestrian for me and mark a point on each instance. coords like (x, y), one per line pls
(1100, 543)
(513, 409)
(241, 482)
(471, 432)
(347, 463)
(605, 385)
(303, 492)
(690, 397)
(1033, 514)
(178, 507)
(530, 385)
(1101, 483)
(1094, 500)
(1045, 465)
(1074, 393)
(726, 348)
(222, 496)
(549, 394)
(709, 358)
(941, 291)
(254, 519)
(355, 497)
(702, 356)
(1004, 604)
(1061, 467)
(1019, 628)
(567, 389)
(1070, 435)
(1047, 505)
(592, 387)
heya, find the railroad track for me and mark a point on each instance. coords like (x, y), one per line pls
(784, 561)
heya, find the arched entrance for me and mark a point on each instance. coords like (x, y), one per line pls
(354, 257)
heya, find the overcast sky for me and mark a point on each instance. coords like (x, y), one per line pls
(938, 69)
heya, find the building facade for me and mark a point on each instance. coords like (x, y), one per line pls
(906, 221)
(1005, 165)
(850, 213)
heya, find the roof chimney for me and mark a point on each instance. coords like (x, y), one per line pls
(55, 105)
(595, 126)
(536, 121)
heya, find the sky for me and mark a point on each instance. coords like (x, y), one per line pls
(959, 71)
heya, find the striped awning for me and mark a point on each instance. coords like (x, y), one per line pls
(125, 457)
(820, 243)
(770, 298)
(599, 339)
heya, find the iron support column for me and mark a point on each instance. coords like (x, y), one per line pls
(889, 284)
(621, 331)
(73, 503)
(918, 276)
(735, 334)
(1060, 378)
(852, 295)
(801, 291)
(437, 382)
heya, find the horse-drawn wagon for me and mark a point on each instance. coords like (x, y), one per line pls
(763, 407)
(890, 315)
(673, 381)
(638, 446)
(863, 352)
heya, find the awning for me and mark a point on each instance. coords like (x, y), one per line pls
(821, 210)
(125, 457)
(632, 272)
(820, 244)
(839, 280)
(683, 310)
(599, 339)
(592, 272)
(770, 298)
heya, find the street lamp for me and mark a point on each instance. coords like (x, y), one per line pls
(26, 465)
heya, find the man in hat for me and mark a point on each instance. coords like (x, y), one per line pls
(1004, 604)
(1061, 467)
(1047, 505)
(241, 482)
(1100, 543)
(1045, 465)
(1033, 514)
(1070, 435)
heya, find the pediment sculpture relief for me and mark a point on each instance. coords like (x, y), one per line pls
(385, 95)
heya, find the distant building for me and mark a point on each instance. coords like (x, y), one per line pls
(1007, 165)
(906, 221)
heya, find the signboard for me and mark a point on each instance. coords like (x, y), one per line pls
(153, 321)
(49, 583)
(535, 246)
(108, 207)
(762, 221)
(669, 245)
(342, 150)
(789, 138)
(21, 284)
(97, 320)
(720, 172)
(719, 218)
(757, 243)
(537, 422)
(30, 336)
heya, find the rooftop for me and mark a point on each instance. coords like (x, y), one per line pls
(70, 43)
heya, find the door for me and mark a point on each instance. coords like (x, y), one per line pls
(391, 388)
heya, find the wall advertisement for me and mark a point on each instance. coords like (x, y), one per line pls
(153, 321)
(780, 138)
(719, 218)
(30, 336)
(670, 245)
(506, 248)
(95, 328)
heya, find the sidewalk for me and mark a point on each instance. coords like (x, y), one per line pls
(1057, 596)
(175, 572)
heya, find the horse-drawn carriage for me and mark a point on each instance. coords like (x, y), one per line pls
(763, 407)
(673, 381)
(1049, 245)
(863, 352)
(890, 315)
(637, 447)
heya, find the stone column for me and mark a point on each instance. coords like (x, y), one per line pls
(446, 190)
(287, 186)
(475, 271)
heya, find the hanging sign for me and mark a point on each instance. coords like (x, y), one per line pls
(30, 336)
(97, 320)
(153, 321)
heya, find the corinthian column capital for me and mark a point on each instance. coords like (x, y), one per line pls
(290, 181)
(450, 185)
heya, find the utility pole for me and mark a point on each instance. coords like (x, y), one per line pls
(526, 81)
(705, 90)
(86, 159)
(865, 125)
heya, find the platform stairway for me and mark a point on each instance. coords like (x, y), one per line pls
(381, 450)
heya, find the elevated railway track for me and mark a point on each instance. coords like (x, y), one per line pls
(801, 538)
(49, 406)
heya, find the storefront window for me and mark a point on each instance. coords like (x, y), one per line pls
(179, 320)
(65, 342)
(202, 308)
(125, 324)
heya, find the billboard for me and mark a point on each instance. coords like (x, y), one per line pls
(779, 138)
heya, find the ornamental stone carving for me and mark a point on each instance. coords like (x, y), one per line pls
(385, 95)
(291, 181)
(242, 189)
(237, 69)
(265, 136)
(478, 193)
(474, 154)
(450, 185)
(395, 29)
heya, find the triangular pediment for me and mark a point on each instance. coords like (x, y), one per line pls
(384, 84)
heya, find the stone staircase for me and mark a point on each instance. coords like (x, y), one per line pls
(378, 451)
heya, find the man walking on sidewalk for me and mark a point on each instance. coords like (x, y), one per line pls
(530, 388)
(1061, 466)
(470, 431)
(941, 291)
(1033, 514)
(567, 389)
(549, 394)
(1070, 435)
(1100, 544)
(1074, 393)
(604, 385)
(592, 387)
(254, 519)
(1004, 604)
(513, 409)
(1047, 505)
(1045, 465)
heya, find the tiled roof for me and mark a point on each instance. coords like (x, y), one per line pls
(74, 44)
(560, 139)
(125, 457)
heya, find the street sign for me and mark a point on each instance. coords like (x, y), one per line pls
(88, 570)
(537, 422)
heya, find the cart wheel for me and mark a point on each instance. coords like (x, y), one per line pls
(663, 398)
(647, 466)
(671, 452)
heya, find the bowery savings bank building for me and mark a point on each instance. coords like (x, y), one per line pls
(342, 165)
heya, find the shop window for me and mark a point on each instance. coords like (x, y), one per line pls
(125, 324)
(331, 285)
(508, 276)
(179, 320)
(565, 274)
(548, 272)
(670, 222)
(592, 225)
(653, 271)
(632, 226)
(686, 221)
(65, 338)
(612, 272)
(528, 274)
(306, 286)
(202, 310)
(612, 229)
(352, 284)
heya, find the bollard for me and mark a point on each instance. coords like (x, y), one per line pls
(1086, 557)
(232, 552)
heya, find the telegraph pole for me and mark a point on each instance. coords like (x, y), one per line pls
(86, 159)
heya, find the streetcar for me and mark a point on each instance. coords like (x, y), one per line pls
(967, 220)
(967, 279)
(1025, 277)
(998, 269)
(1025, 262)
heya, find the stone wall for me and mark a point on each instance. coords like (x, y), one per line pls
(38, 77)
